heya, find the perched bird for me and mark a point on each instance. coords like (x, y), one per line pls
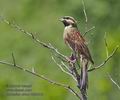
(76, 42)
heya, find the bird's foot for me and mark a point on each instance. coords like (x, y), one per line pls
(71, 60)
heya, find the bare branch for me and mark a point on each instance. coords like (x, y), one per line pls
(60, 66)
(106, 45)
(114, 82)
(106, 60)
(42, 77)
(66, 66)
(89, 30)
(84, 10)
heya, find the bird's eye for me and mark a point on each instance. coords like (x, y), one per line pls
(67, 17)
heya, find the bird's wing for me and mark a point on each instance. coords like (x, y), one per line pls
(77, 43)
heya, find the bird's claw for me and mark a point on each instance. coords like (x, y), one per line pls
(71, 60)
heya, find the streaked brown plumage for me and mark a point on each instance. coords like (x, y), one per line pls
(76, 42)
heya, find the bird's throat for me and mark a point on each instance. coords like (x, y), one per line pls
(68, 27)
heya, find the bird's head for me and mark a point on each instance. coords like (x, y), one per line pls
(69, 21)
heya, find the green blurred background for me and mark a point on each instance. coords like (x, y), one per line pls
(42, 16)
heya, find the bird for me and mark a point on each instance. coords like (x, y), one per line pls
(74, 39)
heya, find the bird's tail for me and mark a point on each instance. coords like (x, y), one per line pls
(84, 76)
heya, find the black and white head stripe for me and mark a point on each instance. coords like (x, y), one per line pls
(69, 18)
(69, 21)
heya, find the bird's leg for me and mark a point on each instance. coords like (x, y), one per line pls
(75, 59)
(71, 61)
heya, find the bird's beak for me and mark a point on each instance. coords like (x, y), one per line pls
(61, 19)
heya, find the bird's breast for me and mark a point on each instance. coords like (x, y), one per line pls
(67, 31)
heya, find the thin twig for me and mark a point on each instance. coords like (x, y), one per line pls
(60, 66)
(89, 30)
(13, 58)
(106, 60)
(114, 82)
(42, 77)
(106, 45)
(66, 66)
(84, 10)
(33, 69)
